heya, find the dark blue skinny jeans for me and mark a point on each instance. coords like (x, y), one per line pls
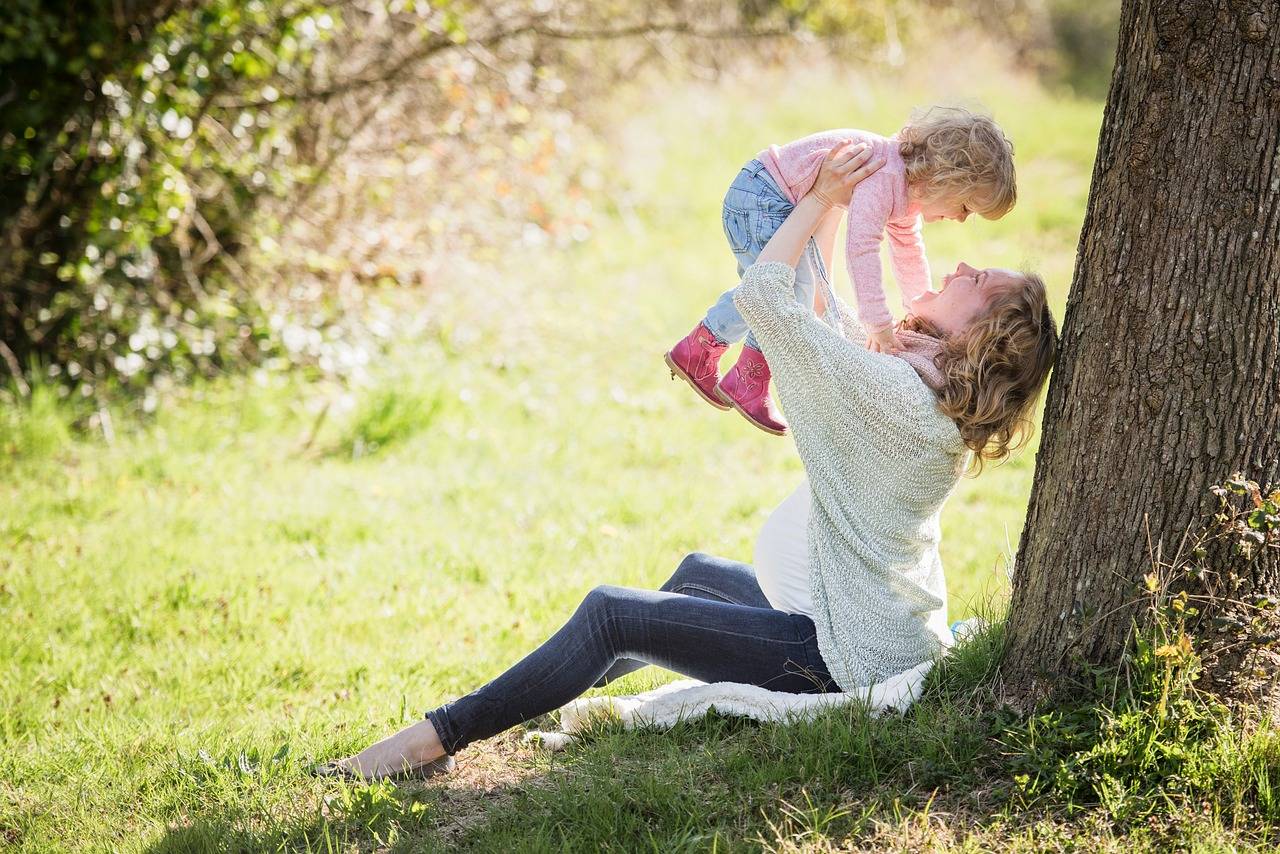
(710, 621)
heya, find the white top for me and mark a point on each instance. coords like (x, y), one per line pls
(782, 561)
(782, 554)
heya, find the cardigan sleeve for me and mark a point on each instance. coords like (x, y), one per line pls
(828, 384)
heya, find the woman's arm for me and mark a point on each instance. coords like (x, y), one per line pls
(826, 239)
(818, 213)
(789, 240)
(827, 384)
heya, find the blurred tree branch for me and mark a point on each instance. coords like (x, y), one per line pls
(400, 66)
(148, 145)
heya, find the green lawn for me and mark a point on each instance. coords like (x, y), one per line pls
(196, 611)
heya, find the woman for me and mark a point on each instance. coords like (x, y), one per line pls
(850, 587)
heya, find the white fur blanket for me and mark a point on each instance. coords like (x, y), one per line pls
(663, 707)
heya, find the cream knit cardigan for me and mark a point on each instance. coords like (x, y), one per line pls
(881, 460)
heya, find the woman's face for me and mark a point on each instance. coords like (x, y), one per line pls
(963, 297)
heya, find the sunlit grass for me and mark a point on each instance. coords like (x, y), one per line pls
(269, 572)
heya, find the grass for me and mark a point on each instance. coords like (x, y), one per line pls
(267, 572)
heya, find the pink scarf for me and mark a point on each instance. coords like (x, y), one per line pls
(920, 351)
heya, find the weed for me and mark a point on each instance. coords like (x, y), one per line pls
(37, 427)
(387, 416)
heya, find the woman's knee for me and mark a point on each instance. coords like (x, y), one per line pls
(692, 567)
(601, 612)
(601, 601)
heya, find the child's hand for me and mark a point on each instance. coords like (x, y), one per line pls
(883, 341)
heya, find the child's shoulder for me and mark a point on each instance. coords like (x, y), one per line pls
(881, 146)
(827, 138)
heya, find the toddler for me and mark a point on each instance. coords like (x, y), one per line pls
(947, 163)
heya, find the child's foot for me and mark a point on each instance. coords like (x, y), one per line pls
(696, 360)
(746, 389)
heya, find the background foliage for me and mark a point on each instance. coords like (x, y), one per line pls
(137, 140)
(270, 570)
(192, 186)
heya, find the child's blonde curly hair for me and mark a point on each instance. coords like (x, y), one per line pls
(995, 369)
(954, 154)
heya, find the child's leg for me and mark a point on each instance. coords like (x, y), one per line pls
(746, 386)
(723, 318)
(753, 210)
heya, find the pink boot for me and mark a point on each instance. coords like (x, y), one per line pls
(696, 359)
(746, 389)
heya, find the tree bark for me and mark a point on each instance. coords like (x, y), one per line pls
(1168, 374)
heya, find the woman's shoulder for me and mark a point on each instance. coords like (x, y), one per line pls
(913, 404)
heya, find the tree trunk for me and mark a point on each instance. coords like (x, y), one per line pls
(1168, 376)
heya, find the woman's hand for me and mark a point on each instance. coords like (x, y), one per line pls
(844, 167)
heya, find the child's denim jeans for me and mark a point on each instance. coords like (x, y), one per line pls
(754, 208)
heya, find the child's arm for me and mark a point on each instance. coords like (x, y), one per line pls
(869, 209)
(906, 256)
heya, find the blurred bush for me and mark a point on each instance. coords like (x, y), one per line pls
(136, 139)
(1070, 43)
(172, 205)
(1083, 46)
(37, 428)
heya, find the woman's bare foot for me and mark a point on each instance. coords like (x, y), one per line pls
(410, 748)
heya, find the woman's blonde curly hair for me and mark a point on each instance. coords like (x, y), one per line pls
(954, 154)
(995, 369)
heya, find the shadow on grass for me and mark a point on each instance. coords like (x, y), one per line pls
(685, 789)
(330, 815)
(727, 782)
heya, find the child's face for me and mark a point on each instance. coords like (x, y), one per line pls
(963, 297)
(932, 211)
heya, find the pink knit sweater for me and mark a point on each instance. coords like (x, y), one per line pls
(878, 207)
